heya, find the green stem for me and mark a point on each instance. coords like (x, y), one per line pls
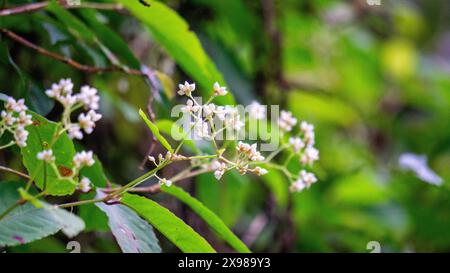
(7, 145)
(82, 202)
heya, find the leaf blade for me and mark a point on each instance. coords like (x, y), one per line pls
(133, 234)
(178, 232)
(28, 223)
(208, 216)
(173, 33)
(155, 131)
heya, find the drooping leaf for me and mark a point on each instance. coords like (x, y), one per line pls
(172, 227)
(208, 216)
(110, 38)
(155, 131)
(41, 137)
(133, 234)
(27, 223)
(173, 33)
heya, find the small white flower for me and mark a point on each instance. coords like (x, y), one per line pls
(219, 90)
(83, 158)
(221, 112)
(84, 185)
(235, 122)
(308, 131)
(242, 169)
(186, 88)
(190, 107)
(86, 123)
(166, 182)
(259, 171)
(220, 168)
(16, 106)
(24, 119)
(66, 85)
(21, 136)
(67, 100)
(201, 129)
(94, 115)
(256, 156)
(152, 159)
(54, 92)
(8, 118)
(208, 109)
(286, 121)
(307, 178)
(88, 97)
(46, 155)
(310, 155)
(215, 164)
(297, 143)
(243, 147)
(249, 151)
(257, 111)
(75, 132)
(306, 127)
(298, 186)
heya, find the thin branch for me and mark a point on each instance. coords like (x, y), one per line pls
(42, 5)
(66, 60)
(156, 188)
(6, 169)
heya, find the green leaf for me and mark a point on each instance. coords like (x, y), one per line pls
(28, 223)
(210, 218)
(173, 33)
(41, 136)
(322, 108)
(133, 234)
(108, 37)
(177, 231)
(155, 131)
(227, 198)
(75, 26)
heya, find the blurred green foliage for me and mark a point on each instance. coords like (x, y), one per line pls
(373, 79)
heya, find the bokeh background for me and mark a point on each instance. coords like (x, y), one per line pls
(374, 79)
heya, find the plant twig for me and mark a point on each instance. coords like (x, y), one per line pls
(86, 68)
(32, 7)
(6, 169)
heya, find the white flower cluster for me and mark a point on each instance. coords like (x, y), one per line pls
(14, 119)
(86, 98)
(286, 121)
(80, 160)
(202, 126)
(303, 144)
(247, 157)
(304, 181)
(257, 111)
(246, 154)
(203, 115)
